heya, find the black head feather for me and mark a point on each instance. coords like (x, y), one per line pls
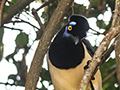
(81, 26)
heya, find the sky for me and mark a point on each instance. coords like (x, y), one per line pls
(9, 44)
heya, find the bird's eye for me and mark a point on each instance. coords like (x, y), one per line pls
(70, 28)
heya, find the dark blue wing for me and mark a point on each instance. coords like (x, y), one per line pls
(89, 47)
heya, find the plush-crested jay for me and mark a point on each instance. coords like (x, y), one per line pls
(69, 53)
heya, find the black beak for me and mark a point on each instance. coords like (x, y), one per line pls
(75, 39)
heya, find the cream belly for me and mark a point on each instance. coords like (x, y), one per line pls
(69, 79)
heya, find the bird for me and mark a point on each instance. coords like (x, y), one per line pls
(69, 54)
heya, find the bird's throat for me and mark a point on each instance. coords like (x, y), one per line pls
(65, 54)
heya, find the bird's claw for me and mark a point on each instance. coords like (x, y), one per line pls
(87, 66)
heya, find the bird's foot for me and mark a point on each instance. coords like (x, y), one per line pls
(87, 66)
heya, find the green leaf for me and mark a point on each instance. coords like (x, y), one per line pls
(95, 3)
(1, 51)
(14, 1)
(111, 3)
(45, 75)
(101, 24)
(21, 40)
(12, 76)
(106, 69)
(5, 8)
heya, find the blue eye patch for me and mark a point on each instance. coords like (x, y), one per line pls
(72, 23)
(66, 28)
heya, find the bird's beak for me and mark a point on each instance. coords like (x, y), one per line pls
(75, 39)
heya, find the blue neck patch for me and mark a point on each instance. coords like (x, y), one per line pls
(65, 34)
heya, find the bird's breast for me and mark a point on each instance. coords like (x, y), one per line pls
(65, 54)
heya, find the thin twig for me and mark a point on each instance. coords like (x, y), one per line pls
(13, 84)
(109, 76)
(34, 12)
(23, 21)
(72, 6)
(96, 31)
(11, 28)
(88, 10)
(45, 4)
(107, 54)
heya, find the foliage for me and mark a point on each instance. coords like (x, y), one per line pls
(106, 69)
(98, 7)
(21, 40)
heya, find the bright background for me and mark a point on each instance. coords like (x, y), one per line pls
(9, 44)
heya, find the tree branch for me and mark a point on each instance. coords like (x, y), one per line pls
(107, 53)
(1, 8)
(117, 54)
(96, 60)
(94, 65)
(45, 40)
(45, 4)
(13, 10)
(23, 21)
(116, 22)
(72, 6)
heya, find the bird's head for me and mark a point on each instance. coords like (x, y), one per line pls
(76, 28)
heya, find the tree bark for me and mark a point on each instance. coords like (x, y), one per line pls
(117, 43)
(13, 10)
(1, 8)
(45, 40)
(117, 54)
